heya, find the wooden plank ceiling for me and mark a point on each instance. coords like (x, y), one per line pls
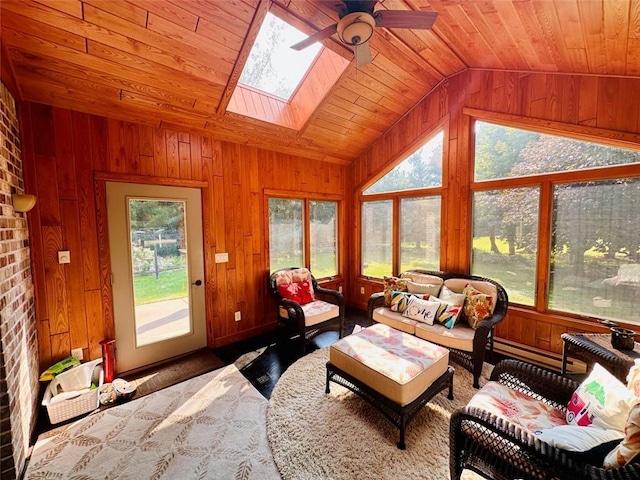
(174, 63)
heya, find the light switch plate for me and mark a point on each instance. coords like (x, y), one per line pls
(222, 257)
(64, 256)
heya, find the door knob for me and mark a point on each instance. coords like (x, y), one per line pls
(197, 283)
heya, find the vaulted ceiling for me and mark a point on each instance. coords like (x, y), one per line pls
(175, 63)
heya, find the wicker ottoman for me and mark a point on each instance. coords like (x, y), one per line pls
(396, 372)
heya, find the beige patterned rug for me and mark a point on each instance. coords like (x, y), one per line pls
(340, 437)
(209, 427)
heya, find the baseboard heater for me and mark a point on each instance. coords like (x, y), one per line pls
(537, 356)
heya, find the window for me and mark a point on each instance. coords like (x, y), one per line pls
(409, 197)
(377, 237)
(323, 241)
(420, 233)
(505, 239)
(595, 264)
(587, 223)
(273, 66)
(304, 232)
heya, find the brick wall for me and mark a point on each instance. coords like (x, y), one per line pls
(18, 340)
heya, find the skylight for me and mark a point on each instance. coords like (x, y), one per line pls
(273, 66)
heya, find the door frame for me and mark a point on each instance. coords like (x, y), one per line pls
(105, 326)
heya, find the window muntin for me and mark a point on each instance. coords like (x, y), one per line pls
(273, 66)
(323, 238)
(286, 233)
(505, 239)
(377, 238)
(421, 169)
(420, 233)
(508, 152)
(595, 249)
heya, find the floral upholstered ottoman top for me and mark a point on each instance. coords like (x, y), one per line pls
(395, 364)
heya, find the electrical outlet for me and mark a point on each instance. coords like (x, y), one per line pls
(77, 354)
(340, 288)
(361, 290)
(64, 256)
(238, 316)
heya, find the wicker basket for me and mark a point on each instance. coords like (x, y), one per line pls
(73, 407)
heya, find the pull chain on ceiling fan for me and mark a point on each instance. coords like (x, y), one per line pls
(357, 21)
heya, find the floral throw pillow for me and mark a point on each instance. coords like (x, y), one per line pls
(477, 305)
(300, 292)
(629, 448)
(393, 284)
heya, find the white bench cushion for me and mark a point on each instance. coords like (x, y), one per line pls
(315, 312)
(395, 320)
(459, 337)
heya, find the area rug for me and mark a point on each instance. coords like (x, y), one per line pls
(176, 371)
(209, 427)
(340, 437)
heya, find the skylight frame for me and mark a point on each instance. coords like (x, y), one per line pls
(291, 36)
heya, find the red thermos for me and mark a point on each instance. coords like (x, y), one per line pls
(109, 359)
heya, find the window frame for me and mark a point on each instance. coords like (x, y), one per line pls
(396, 196)
(546, 182)
(306, 227)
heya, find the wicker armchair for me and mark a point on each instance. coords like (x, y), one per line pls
(472, 359)
(498, 449)
(325, 313)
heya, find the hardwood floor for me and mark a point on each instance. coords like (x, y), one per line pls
(267, 368)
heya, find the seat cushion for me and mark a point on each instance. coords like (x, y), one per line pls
(517, 408)
(459, 337)
(394, 319)
(315, 312)
(395, 364)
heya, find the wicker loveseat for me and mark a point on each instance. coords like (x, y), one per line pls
(467, 346)
(499, 448)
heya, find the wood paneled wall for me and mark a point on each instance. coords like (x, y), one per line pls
(64, 150)
(606, 106)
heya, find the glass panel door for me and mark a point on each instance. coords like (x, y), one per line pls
(157, 266)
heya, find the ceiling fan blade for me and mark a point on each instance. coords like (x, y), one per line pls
(316, 37)
(405, 19)
(362, 53)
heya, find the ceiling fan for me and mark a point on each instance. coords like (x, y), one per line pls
(357, 21)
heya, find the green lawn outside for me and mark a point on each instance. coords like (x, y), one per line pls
(170, 284)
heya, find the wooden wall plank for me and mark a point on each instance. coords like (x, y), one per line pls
(74, 271)
(55, 280)
(47, 190)
(64, 154)
(83, 150)
(95, 322)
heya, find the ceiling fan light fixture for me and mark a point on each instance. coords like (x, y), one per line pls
(356, 28)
